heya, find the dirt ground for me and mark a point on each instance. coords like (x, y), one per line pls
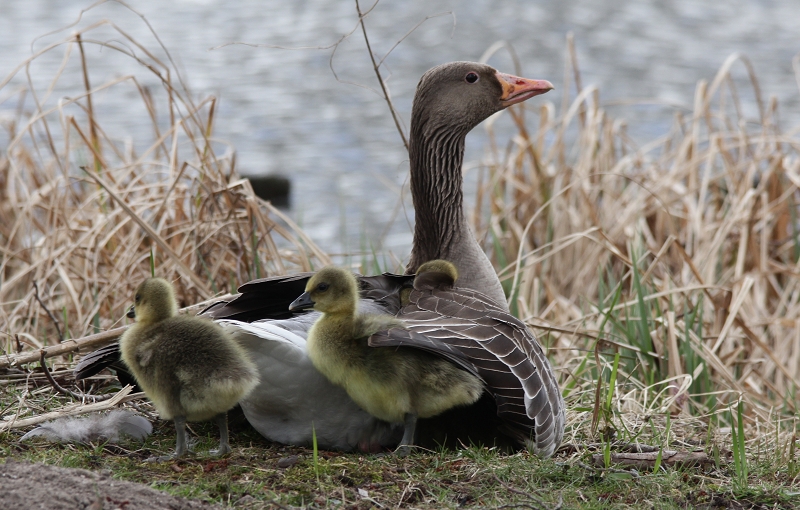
(26, 486)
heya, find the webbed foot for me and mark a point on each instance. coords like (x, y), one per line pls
(402, 451)
(222, 450)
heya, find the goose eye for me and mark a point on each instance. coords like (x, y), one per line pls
(471, 77)
(322, 287)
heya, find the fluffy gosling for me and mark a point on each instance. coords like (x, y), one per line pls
(397, 384)
(189, 367)
(438, 273)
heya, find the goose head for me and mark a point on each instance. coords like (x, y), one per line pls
(154, 301)
(460, 95)
(331, 290)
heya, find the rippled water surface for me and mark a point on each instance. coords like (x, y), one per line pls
(285, 112)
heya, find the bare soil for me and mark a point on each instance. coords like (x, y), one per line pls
(27, 486)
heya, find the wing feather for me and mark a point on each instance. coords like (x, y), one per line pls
(505, 353)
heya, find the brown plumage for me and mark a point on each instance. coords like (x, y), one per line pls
(508, 358)
(188, 366)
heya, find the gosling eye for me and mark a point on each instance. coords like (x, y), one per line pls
(137, 298)
(471, 77)
(322, 287)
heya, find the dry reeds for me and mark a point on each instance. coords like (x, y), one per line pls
(83, 206)
(682, 255)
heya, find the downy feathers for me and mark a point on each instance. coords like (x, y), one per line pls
(111, 427)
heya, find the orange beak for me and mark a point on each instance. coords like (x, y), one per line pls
(517, 90)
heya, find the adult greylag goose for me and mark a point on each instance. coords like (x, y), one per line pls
(189, 367)
(397, 381)
(522, 402)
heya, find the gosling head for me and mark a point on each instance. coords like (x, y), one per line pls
(436, 274)
(331, 290)
(154, 301)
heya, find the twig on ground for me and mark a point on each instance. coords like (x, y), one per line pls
(633, 473)
(647, 461)
(67, 346)
(61, 389)
(280, 505)
(73, 410)
(522, 505)
(625, 447)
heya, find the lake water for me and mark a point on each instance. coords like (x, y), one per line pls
(285, 112)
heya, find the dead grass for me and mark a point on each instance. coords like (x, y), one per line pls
(82, 206)
(681, 256)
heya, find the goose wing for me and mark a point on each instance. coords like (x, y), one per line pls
(105, 357)
(269, 298)
(402, 337)
(95, 361)
(385, 290)
(265, 298)
(507, 356)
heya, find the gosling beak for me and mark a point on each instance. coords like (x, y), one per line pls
(517, 90)
(131, 313)
(302, 303)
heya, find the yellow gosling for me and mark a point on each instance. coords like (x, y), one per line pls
(395, 384)
(436, 273)
(189, 367)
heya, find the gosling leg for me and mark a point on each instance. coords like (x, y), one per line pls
(222, 422)
(180, 442)
(408, 435)
(180, 436)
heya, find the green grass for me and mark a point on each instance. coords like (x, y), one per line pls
(474, 477)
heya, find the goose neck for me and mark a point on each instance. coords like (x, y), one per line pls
(441, 230)
(436, 189)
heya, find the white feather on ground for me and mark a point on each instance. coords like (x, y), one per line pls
(96, 427)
